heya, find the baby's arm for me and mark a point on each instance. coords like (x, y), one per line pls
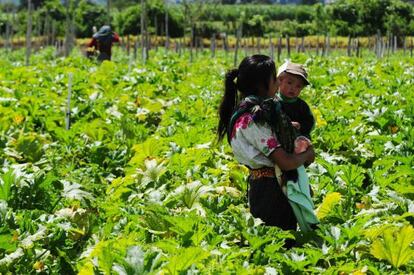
(296, 125)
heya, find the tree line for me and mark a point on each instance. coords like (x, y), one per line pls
(343, 17)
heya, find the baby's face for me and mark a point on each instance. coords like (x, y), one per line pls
(291, 85)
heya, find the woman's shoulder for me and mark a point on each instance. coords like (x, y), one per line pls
(251, 136)
(247, 125)
(242, 122)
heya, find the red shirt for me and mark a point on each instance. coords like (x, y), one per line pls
(104, 48)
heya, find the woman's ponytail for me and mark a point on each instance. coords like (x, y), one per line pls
(228, 103)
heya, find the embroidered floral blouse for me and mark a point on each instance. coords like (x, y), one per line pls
(252, 143)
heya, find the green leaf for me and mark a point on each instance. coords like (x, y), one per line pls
(6, 183)
(189, 194)
(394, 247)
(30, 147)
(328, 204)
(151, 148)
(185, 258)
(7, 243)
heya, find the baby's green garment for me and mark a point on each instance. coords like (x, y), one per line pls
(300, 199)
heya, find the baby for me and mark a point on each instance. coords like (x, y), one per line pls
(292, 79)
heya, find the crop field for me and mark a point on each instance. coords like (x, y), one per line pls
(139, 184)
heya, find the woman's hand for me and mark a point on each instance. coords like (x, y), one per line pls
(301, 144)
(310, 155)
(287, 161)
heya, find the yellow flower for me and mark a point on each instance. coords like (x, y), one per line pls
(360, 205)
(18, 119)
(320, 122)
(39, 265)
(394, 129)
(359, 272)
(15, 237)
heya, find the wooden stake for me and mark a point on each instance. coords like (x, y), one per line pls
(279, 48)
(297, 44)
(155, 42)
(358, 53)
(53, 34)
(302, 44)
(404, 44)
(395, 44)
(213, 45)
(192, 42)
(128, 46)
(378, 44)
(167, 32)
(8, 30)
(336, 43)
(272, 47)
(29, 32)
(288, 45)
(324, 46)
(245, 46)
(46, 31)
(69, 30)
(317, 45)
(196, 45)
(108, 12)
(236, 52)
(135, 48)
(143, 32)
(70, 76)
(328, 44)
(12, 29)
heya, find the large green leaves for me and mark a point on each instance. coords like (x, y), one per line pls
(6, 183)
(184, 259)
(328, 204)
(395, 246)
(175, 201)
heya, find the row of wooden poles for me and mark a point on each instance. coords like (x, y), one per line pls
(275, 47)
(49, 31)
(323, 46)
(381, 46)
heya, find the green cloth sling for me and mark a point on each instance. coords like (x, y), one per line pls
(299, 197)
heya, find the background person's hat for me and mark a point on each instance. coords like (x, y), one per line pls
(294, 68)
(104, 33)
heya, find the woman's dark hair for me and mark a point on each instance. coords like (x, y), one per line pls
(253, 75)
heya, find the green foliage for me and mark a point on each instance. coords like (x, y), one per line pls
(29, 147)
(328, 204)
(88, 15)
(395, 246)
(129, 20)
(138, 185)
(342, 17)
(7, 181)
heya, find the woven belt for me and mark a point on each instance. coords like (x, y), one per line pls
(265, 172)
